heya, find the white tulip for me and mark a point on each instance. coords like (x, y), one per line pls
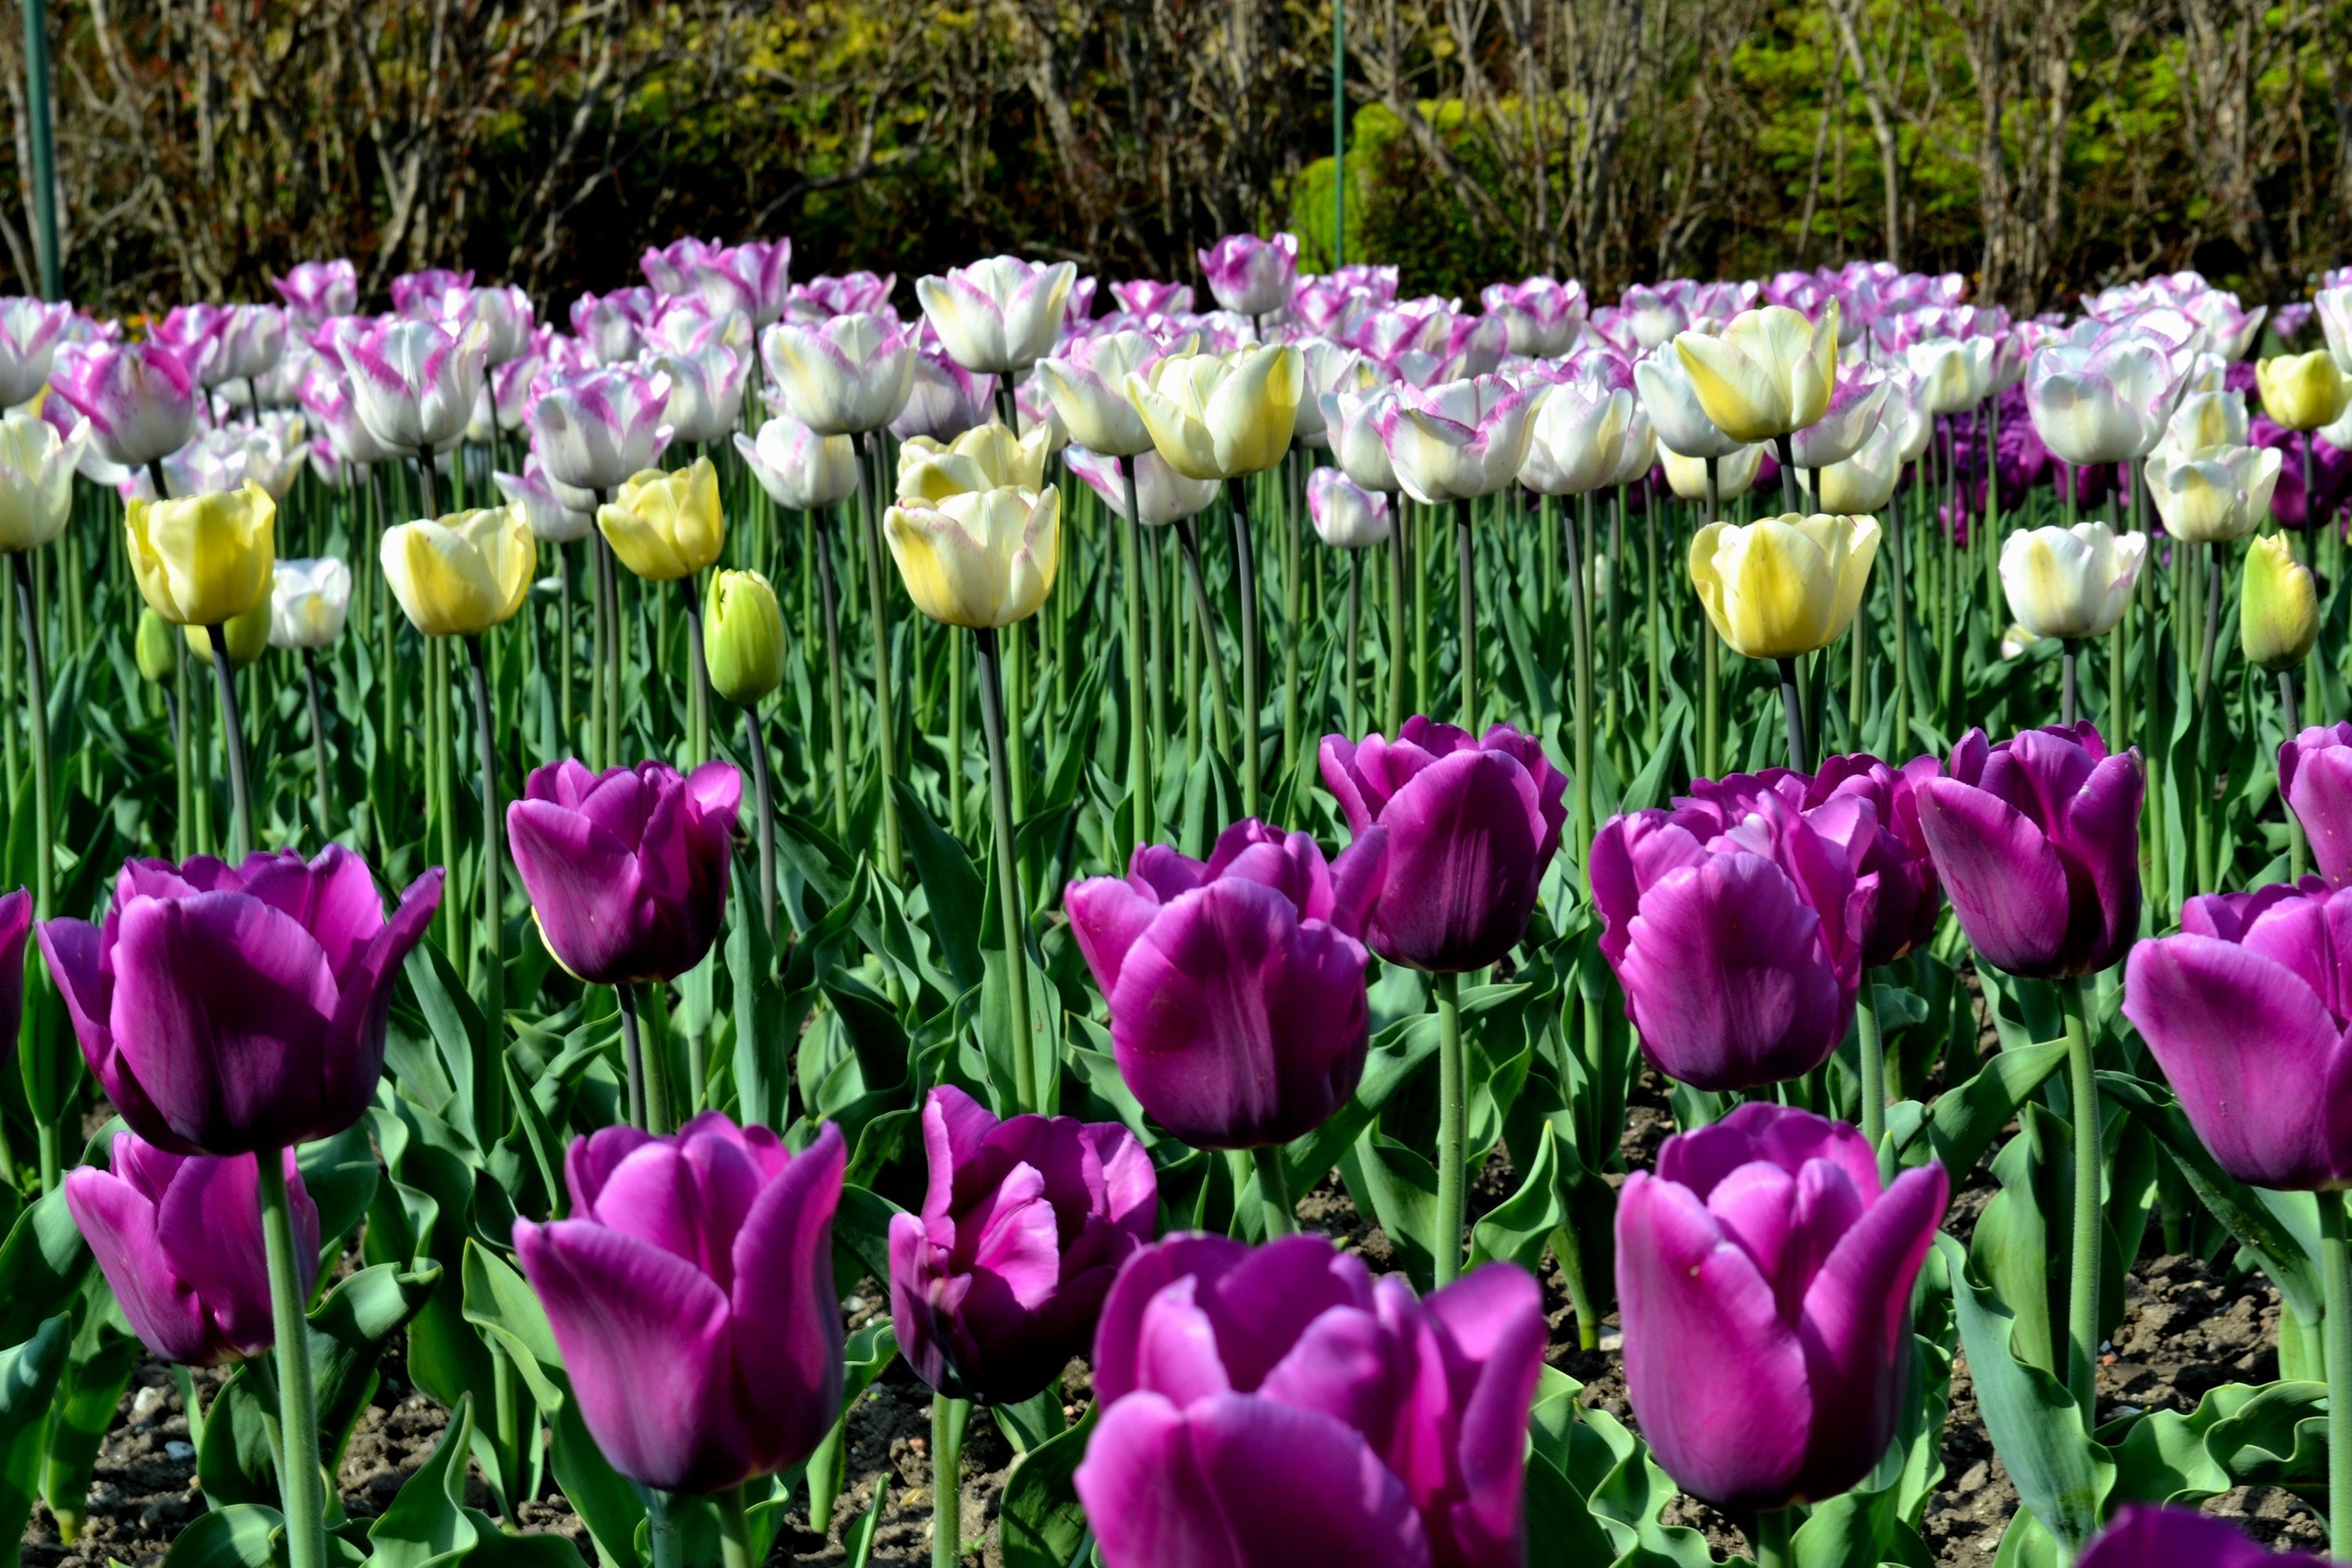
(2071, 582)
(308, 601)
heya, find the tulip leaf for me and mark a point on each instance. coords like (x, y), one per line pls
(2060, 1472)
(1965, 1120)
(951, 886)
(426, 1523)
(1035, 1421)
(1518, 1228)
(341, 1175)
(499, 1301)
(29, 1372)
(236, 1459)
(546, 1156)
(350, 1331)
(1648, 783)
(456, 1029)
(241, 1535)
(1631, 1501)
(1041, 1522)
(42, 1265)
(1398, 1187)
(103, 1357)
(861, 1234)
(869, 1352)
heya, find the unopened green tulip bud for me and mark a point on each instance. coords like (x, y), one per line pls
(248, 635)
(743, 637)
(155, 646)
(2278, 608)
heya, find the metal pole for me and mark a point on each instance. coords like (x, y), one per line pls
(1339, 132)
(45, 158)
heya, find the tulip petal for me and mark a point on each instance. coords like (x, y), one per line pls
(1495, 1318)
(2006, 882)
(1462, 870)
(791, 1366)
(2319, 786)
(1236, 1482)
(583, 886)
(1106, 917)
(209, 1231)
(121, 1225)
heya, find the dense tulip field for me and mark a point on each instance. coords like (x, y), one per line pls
(1352, 930)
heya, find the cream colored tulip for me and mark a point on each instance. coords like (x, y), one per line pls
(203, 560)
(1784, 585)
(2213, 494)
(1954, 373)
(1219, 416)
(2071, 583)
(37, 474)
(2304, 391)
(1771, 371)
(2278, 605)
(2204, 419)
(980, 558)
(666, 525)
(985, 457)
(308, 603)
(458, 576)
(1865, 481)
(1576, 440)
(1735, 474)
(1088, 388)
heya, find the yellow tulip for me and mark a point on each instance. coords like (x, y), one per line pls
(461, 575)
(2303, 392)
(247, 636)
(206, 559)
(1218, 417)
(985, 557)
(1784, 585)
(2278, 605)
(984, 457)
(1770, 373)
(743, 637)
(666, 525)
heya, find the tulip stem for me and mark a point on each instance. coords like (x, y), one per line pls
(1396, 619)
(734, 1530)
(1453, 1130)
(1579, 623)
(633, 1055)
(878, 601)
(1782, 449)
(1465, 550)
(2083, 1291)
(1871, 1047)
(608, 580)
(563, 643)
(947, 1418)
(755, 743)
(319, 801)
(232, 737)
(1139, 733)
(1773, 1529)
(428, 481)
(184, 794)
(37, 704)
(1273, 1190)
(698, 676)
(835, 720)
(300, 1483)
(1354, 707)
(1205, 616)
(2069, 650)
(1245, 590)
(2297, 847)
(490, 1112)
(2336, 1285)
(1792, 708)
(1008, 869)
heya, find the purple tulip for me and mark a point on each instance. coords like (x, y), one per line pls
(227, 1008)
(2146, 1536)
(314, 290)
(418, 295)
(691, 1294)
(1024, 1225)
(140, 399)
(1250, 275)
(670, 268)
(178, 1238)
(2246, 1010)
(626, 869)
(1542, 315)
(30, 331)
(1236, 988)
(1468, 827)
(2331, 474)
(841, 296)
(1146, 297)
(1731, 926)
(2315, 773)
(612, 327)
(1277, 1405)
(15, 925)
(1765, 1283)
(596, 429)
(753, 277)
(2037, 841)
(414, 381)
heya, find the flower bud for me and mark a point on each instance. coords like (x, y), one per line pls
(743, 637)
(248, 633)
(2278, 607)
(155, 646)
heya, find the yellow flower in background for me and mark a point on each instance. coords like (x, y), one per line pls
(206, 559)
(980, 559)
(1218, 417)
(1783, 585)
(1770, 373)
(984, 457)
(247, 635)
(2303, 392)
(462, 575)
(743, 637)
(666, 525)
(2278, 605)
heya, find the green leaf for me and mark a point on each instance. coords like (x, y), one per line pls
(951, 885)
(29, 1382)
(1041, 1522)
(42, 1265)
(349, 1331)
(1035, 1421)
(869, 1351)
(341, 1175)
(1399, 1186)
(861, 1235)
(426, 1524)
(103, 1357)
(242, 1536)
(1966, 1119)
(1518, 1228)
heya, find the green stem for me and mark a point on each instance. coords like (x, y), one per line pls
(1772, 1532)
(300, 1482)
(192, 1404)
(1868, 1045)
(633, 1055)
(1396, 619)
(664, 1532)
(1792, 709)
(184, 792)
(1205, 619)
(734, 1530)
(563, 620)
(1579, 621)
(2335, 1283)
(1273, 1190)
(1421, 692)
(321, 803)
(240, 794)
(877, 604)
(755, 743)
(1353, 707)
(491, 1096)
(1008, 869)
(2083, 1290)
(947, 1480)
(1138, 735)
(1292, 633)
(1245, 590)
(2297, 847)
(609, 577)
(37, 719)
(698, 675)
(1453, 1130)
(1465, 550)
(836, 720)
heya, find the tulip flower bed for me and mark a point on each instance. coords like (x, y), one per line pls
(1330, 930)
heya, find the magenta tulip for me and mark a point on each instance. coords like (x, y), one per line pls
(691, 1294)
(2146, 1536)
(1024, 1225)
(1764, 1279)
(140, 399)
(1250, 275)
(2245, 1011)
(1237, 987)
(626, 869)
(15, 926)
(2037, 842)
(226, 1009)
(178, 1238)
(2315, 773)
(1278, 1406)
(314, 290)
(1468, 827)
